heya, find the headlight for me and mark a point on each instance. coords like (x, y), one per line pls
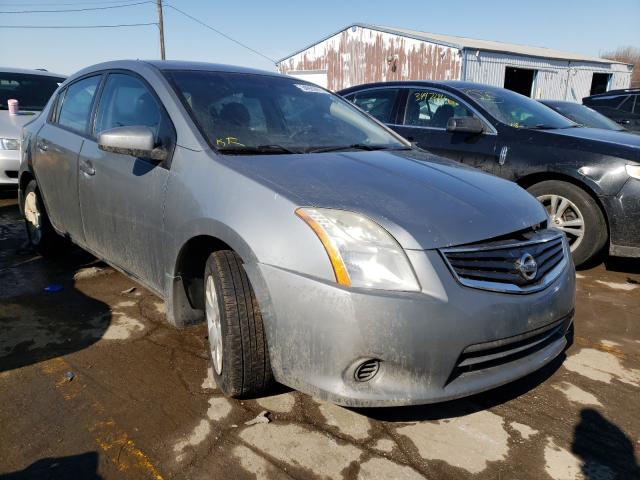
(362, 253)
(633, 171)
(9, 144)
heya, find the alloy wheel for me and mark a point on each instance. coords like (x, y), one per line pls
(564, 215)
(212, 310)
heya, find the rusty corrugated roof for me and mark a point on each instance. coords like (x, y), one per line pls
(472, 44)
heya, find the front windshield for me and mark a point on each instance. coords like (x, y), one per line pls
(516, 110)
(585, 116)
(244, 113)
(31, 91)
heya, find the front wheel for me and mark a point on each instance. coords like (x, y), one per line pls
(237, 342)
(576, 213)
(42, 236)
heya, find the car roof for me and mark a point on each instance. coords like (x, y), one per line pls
(44, 73)
(559, 102)
(165, 65)
(621, 91)
(449, 84)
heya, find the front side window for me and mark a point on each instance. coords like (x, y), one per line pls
(433, 109)
(76, 104)
(377, 103)
(126, 101)
(31, 91)
(516, 110)
(636, 109)
(245, 113)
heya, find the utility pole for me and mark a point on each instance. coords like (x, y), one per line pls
(161, 28)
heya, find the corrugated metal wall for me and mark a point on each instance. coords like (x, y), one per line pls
(556, 79)
(361, 55)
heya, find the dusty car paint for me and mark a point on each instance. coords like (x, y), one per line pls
(145, 219)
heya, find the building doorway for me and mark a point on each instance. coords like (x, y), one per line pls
(520, 80)
(600, 83)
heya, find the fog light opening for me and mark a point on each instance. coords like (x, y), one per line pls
(366, 370)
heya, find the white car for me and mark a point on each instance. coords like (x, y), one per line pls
(32, 89)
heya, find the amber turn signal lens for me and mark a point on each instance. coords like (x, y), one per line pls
(339, 268)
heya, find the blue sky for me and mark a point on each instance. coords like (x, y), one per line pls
(279, 28)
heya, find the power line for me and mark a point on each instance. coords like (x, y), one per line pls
(58, 4)
(79, 26)
(79, 9)
(219, 32)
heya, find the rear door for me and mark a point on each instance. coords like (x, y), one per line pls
(56, 156)
(423, 120)
(121, 196)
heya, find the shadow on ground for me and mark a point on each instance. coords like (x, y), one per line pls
(36, 325)
(601, 445)
(83, 466)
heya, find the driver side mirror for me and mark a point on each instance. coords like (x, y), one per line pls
(465, 125)
(136, 140)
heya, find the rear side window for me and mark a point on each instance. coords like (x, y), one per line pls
(627, 105)
(608, 101)
(377, 103)
(76, 105)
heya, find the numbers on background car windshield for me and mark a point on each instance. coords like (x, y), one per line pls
(426, 108)
(377, 103)
(76, 105)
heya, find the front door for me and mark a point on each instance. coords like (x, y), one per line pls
(56, 155)
(424, 121)
(121, 196)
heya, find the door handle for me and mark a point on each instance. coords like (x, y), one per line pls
(42, 146)
(87, 168)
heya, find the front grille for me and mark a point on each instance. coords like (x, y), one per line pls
(516, 266)
(11, 173)
(500, 352)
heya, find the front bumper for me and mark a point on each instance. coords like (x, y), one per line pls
(9, 165)
(428, 343)
(623, 212)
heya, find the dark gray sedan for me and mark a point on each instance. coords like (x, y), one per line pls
(323, 251)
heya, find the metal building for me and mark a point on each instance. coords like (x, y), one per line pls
(362, 53)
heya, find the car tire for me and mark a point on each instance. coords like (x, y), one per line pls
(41, 234)
(579, 206)
(237, 343)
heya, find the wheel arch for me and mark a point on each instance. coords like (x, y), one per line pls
(185, 287)
(534, 178)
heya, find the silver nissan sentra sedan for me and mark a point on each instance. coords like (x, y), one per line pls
(323, 250)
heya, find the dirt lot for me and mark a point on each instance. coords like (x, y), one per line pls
(141, 403)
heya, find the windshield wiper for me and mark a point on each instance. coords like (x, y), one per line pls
(354, 146)
(259, 149)
(542, 126)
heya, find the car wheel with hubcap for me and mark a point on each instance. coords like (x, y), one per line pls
(576, 213)
(42, 236)
(237, 341)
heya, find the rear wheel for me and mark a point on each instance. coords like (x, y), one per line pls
(237, 342)
(576, 213)
(42, 237)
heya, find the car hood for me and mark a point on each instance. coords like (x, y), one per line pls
(11, 125)
(425, 202)
(597, 140)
